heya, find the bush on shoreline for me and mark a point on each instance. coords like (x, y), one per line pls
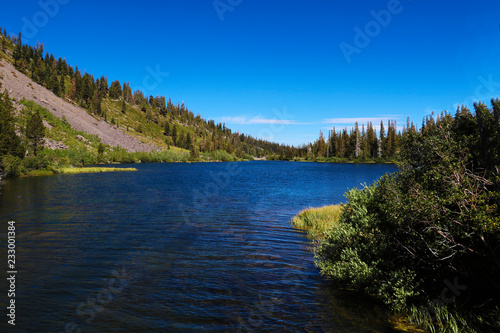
(425, 240)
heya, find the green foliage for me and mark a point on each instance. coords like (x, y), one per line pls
(12, 166)
(10, 143)
(222, 155)
(35, 132)
(437, 219)
(317, 221)
(115, 91)
(357, 252)
(101, 149)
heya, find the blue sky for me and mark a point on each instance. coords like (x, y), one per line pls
(283, 69)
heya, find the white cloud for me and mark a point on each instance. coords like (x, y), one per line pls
(244, 120)
(361, 120)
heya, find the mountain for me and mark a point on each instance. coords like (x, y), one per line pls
(19, 86)
(118, 125)
(121, 125)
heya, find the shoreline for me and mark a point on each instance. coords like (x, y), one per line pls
(316, 221)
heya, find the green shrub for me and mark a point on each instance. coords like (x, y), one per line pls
(222, 155)
(12, 166)
(403, 239)
(357, 253)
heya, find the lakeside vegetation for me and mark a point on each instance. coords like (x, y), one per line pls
(75, 170)
(424, 240)
(317, 221)
(25, 133)
(36, 142)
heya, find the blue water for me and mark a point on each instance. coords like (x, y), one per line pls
(203, 247)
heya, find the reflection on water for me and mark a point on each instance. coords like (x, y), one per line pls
(179, 247)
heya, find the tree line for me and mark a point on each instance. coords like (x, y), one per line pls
(19, 141)
(185, 130)
(181, 127)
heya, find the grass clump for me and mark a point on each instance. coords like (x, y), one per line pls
(75, 170)
(317, 221)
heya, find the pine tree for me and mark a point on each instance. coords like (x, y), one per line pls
(115, 91)
(381, 143)
(10, 143)
(357, 149)
(103, 86)
(181, 140)
(35, 132)
(167, 129)
(189, 141)
(62, 87)
(371, 139)
(17, 55)
(96, 103)
(54, 83)
(194, 150)
(174, 134)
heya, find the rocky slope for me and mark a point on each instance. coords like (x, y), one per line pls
(20, 86)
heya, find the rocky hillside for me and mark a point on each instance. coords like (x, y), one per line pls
(20, 86)
(114, 114)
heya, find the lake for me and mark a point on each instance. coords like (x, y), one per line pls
(203, 247)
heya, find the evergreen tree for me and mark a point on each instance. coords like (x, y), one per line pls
(54, 83)
(167, 129)
(10, 143)
(181, 140)
(320, 150)
(115, 91)
(174, 134)
(4, 44)
(357, 149)
(189, 141)
(103, 86)
(381, 147)
(17, 55)
(194, 150)
(87, 89)
(96, 103)
(62, 87)
(35, 132)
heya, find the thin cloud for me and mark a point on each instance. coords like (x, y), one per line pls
(258, 120)
(361, 120)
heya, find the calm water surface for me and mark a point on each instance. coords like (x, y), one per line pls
(203, 247)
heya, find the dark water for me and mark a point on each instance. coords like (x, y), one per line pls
(201, 247)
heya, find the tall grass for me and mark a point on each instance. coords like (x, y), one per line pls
(93, 170)
(443, 319)
(316, 221)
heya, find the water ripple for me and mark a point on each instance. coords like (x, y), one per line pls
(179, 248)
